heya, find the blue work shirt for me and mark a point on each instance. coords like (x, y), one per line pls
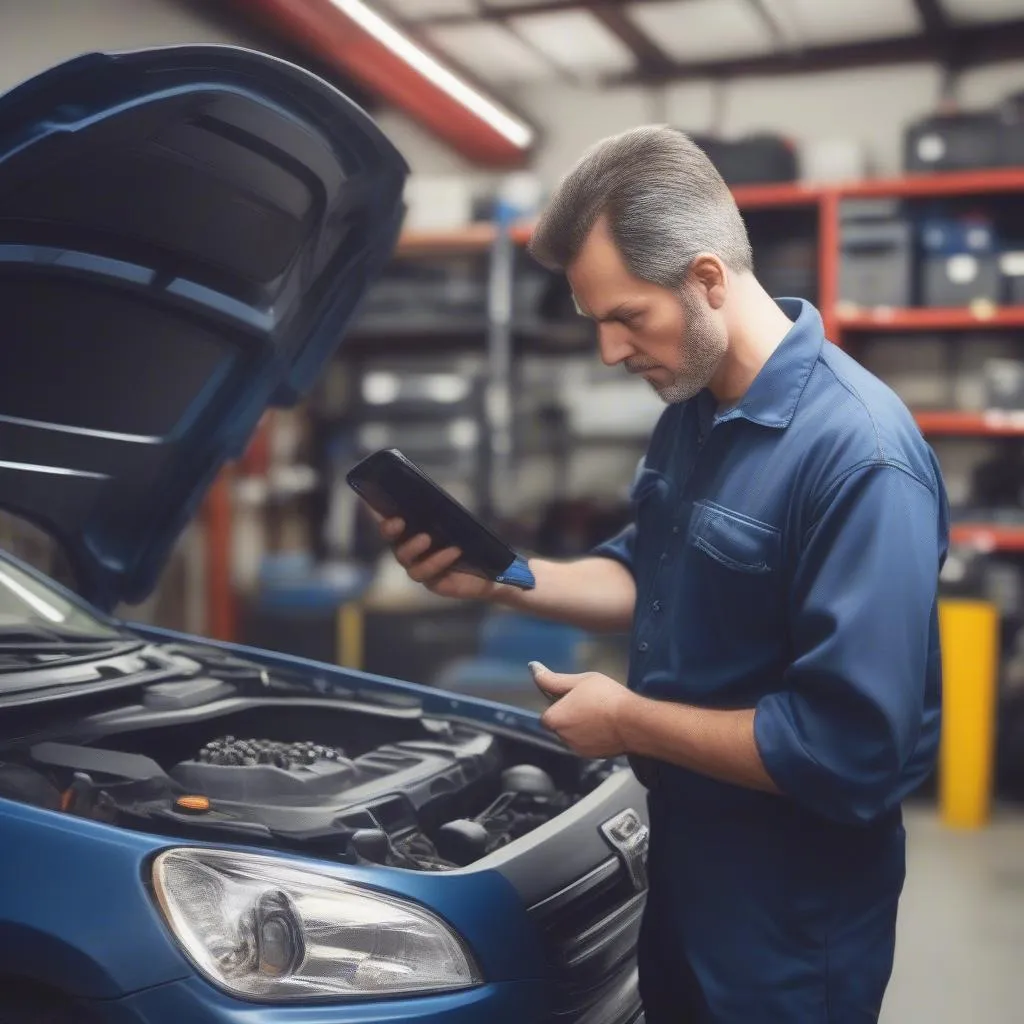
(786, 554)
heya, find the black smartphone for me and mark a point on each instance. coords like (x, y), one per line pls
(394, 486)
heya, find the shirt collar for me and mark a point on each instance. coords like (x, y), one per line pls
(772, 398)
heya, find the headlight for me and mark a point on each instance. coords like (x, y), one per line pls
(266, 930)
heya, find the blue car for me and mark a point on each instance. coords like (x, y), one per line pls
(199, 833)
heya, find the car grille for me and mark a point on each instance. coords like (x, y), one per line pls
(590, 931)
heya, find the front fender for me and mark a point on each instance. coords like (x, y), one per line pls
(75, 911)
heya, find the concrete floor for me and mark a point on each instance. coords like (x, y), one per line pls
(960, 945)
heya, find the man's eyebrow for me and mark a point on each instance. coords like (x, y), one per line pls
(628, 305)
(618, 311)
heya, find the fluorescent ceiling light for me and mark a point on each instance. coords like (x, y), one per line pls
(517, 132)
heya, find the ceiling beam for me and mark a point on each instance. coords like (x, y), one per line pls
(771, 24)
(976, 45)
(939, 29)
(560, 72)
(932, 17)
(990, 43)
(645, 50)
(541, 7)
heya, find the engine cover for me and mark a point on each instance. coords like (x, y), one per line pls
(240, 771)
(306, 789)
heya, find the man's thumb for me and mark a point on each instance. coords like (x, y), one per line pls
(545, 678)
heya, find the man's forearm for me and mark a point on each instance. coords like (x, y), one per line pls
(595, 594)
(719, 744)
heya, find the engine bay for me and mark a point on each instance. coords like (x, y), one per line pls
(356, 780)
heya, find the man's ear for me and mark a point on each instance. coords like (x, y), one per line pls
(709, 274)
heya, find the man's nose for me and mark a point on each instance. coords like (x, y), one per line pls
(614, 344)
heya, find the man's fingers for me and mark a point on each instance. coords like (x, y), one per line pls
(555, 683)
(410, 550)
(390, 529)
(435, 565)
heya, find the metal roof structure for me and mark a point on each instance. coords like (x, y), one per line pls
(507, 42)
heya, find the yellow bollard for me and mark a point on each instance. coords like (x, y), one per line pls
(970, 680)
(349, 642)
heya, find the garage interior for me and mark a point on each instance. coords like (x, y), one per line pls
(876, 151)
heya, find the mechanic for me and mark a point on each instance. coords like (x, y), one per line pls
(779, 579)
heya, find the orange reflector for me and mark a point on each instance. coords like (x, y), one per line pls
(193, 803)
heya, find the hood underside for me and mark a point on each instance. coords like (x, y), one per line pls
(185, 236)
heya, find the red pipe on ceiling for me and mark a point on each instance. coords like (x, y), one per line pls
(334, 36)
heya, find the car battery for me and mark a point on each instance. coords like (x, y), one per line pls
(963, 141)
(876, 254)
(959, 264)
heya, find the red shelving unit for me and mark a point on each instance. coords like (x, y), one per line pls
(975, 317)
(970, 183)
(980, 316)
(972, 424)
(477, 237)
(988, 538)
(754, 197)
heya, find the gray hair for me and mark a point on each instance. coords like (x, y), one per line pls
(664, 200)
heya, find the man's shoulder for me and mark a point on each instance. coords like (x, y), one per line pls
(853, 419)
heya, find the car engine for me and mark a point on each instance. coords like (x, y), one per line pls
(431, 804)
(210, 745)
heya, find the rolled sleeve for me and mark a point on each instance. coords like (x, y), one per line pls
(849, 714)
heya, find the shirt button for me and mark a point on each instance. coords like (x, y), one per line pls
(656, 607)
(642, 646)
(675, 529)
(664, 556)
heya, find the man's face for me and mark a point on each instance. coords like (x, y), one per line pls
(674, 339)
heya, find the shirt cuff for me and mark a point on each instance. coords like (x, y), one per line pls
(801, 777)
(618, 549)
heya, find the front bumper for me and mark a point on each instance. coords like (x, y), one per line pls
(195, 1002)
(555, 916)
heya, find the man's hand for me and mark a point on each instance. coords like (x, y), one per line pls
(598, 717)
(587, 713)
(434, 570)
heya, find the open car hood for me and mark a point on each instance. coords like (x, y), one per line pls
(185, 235)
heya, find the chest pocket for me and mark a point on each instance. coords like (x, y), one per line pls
(737, 542)
(738, 565)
